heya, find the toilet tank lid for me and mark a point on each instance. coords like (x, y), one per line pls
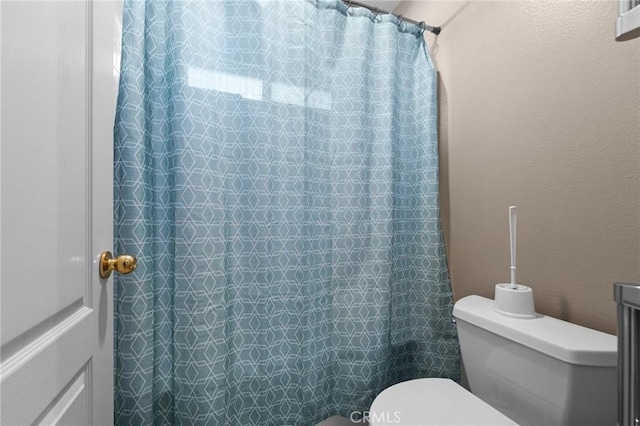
(559, 339)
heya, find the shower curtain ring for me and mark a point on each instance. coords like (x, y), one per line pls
(376, 13)
(348, 4)
(401, 18)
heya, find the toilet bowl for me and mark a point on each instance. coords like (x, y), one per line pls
(433, 402)
(527, 372)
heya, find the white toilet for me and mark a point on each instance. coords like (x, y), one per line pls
(527, 372)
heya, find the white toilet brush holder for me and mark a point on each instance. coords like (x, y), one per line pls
(514, 302)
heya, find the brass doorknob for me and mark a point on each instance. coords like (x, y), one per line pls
(124, 264)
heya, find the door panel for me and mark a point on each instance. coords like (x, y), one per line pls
(34, 379)
(69, 409)
(58, 76)
(45, 189)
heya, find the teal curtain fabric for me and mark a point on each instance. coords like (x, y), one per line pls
(276, 174)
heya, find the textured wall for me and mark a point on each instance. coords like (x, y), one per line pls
(540, 108)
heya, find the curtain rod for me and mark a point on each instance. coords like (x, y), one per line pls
(425, 27)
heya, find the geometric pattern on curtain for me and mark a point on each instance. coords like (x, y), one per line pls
(276, 174)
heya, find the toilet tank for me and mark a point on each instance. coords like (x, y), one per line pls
(540, 371)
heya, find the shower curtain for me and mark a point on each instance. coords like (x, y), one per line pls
(276, 175)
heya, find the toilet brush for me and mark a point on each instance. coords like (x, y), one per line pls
(512, 241)
(512, 299)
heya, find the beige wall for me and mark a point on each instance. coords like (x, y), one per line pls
(539, 108)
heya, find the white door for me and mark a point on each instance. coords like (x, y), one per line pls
(58, 74)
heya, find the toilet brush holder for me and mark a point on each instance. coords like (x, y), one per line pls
(514, 302)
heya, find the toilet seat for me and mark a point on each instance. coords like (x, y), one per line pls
(433, 402)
